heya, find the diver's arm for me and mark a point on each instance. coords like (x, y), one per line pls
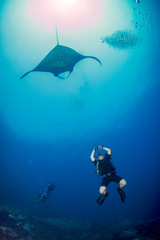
(92, 155)
(107, 149)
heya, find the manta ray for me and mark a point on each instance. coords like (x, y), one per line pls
(59, 60)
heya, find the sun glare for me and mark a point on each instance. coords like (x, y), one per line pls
(68, 2)
(68, 14)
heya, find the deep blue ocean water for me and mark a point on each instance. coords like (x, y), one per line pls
(49, 126)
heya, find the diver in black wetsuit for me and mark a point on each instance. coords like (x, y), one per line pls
(42, 197)
(106, 169)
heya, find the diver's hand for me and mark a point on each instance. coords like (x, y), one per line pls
(100, 147)
(108, 150)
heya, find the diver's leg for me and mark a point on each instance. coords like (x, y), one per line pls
(122, 183)
(104, 193)
(102, 190)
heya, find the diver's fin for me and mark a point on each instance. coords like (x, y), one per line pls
(36, 198)
(122, 194)
(101, 199)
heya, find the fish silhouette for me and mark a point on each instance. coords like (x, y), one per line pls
(121, 39)
(59, 60)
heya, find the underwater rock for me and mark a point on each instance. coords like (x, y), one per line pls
(150, 229)
(126, 235)
(15, 225)
(143, 231)
(11, 225)
(121, 39)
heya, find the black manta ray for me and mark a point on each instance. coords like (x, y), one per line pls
(59, 60)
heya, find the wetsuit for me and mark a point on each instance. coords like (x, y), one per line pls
(106, 169)
(42, 197)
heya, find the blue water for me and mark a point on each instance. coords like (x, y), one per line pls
(49, 126)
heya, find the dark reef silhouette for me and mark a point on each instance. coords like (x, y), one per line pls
(16, 225)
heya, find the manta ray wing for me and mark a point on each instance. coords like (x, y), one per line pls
(59, 60)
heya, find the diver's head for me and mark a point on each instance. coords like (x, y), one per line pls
(100, 156)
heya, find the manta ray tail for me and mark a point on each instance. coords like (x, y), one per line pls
(26, 74)
(94, 59)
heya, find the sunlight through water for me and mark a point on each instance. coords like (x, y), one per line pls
(68, 107)
(71, 14)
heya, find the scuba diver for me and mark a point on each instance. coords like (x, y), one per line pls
(42, 197)
(107, 170)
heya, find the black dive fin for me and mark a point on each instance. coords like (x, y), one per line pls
(101, 199)
(122, 194)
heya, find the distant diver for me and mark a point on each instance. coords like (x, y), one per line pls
(107, 170)
(42, 197)
(59, 60)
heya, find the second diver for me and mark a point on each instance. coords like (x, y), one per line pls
(42, 197)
